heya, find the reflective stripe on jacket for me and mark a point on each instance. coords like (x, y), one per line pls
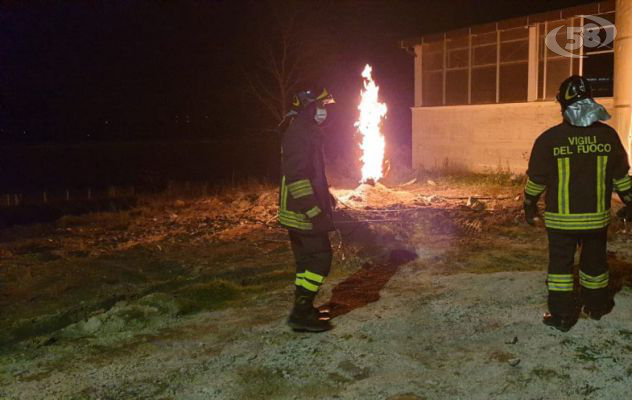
(304, 192)
(578, 168)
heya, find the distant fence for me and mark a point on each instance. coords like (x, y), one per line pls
(56, 197)
(88, 168)
(18, 208)
(67, 195)
(42, 182)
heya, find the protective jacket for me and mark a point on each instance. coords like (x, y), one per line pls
(578, 167)
(305, 203)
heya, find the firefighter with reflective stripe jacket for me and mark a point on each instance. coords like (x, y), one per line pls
(305, 206)
(578, 163)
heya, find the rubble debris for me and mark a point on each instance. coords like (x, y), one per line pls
(512, 341)
(514, 362)
(469, 226)
(421, 201)
(475, 204)
(431, 182)
(432, 198)
(410, 182)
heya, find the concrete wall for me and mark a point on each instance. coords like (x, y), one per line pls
(623, 73)
(482, 138)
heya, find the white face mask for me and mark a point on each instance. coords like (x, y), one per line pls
(320, 116)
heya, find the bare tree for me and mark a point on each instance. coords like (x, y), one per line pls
(286, 51)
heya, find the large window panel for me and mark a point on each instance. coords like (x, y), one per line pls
(484, 49)
(514, 65)
(456, 87)
(458, 58)
(432, 56)
(484, 55)
(598, 66)
(432, 73)
(601, 34)
(432, 88)
(514, 34)
(484, 85)
(599, 70)
(484, 60)
(514, 81)
(557, 70)
(484, 38)
(608, 16)
(553, 68)
(514, 51)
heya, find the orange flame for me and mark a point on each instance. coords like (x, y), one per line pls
(372, 112)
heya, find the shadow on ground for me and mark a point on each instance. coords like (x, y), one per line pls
(620, 274)
(364, 286)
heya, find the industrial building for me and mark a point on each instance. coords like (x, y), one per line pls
(485, 92)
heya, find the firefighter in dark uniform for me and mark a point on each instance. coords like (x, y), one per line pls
(578, 163)
(305, 206)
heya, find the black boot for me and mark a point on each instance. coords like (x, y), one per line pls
(304, 316)
(323, 311)
(597, 312)
(563, 324)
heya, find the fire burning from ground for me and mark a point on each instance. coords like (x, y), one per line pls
(372, 112)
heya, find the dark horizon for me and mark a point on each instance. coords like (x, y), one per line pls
(141, 70)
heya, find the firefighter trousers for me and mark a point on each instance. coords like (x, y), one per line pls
(593, 271)
(313, 255)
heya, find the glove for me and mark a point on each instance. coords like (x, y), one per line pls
(625, 213)
(531, 213)
(322, 223)
(333, 200)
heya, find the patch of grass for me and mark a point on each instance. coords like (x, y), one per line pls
(42, 324)
(141, 389)
(589, 353)
(117, 221)
(406, 396)
(207, 296)
(549, 374)
(567, 342)
(32, 246)
(22, 232)
(625, 333)
(457, 177)
(588, 389)
(259, 383)
(501, 356)
(133, 315)
(262, 383)
(485, 259)
(72, 220)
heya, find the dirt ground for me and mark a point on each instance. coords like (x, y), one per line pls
(437, 291)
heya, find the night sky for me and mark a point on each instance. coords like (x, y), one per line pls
(76, 71)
